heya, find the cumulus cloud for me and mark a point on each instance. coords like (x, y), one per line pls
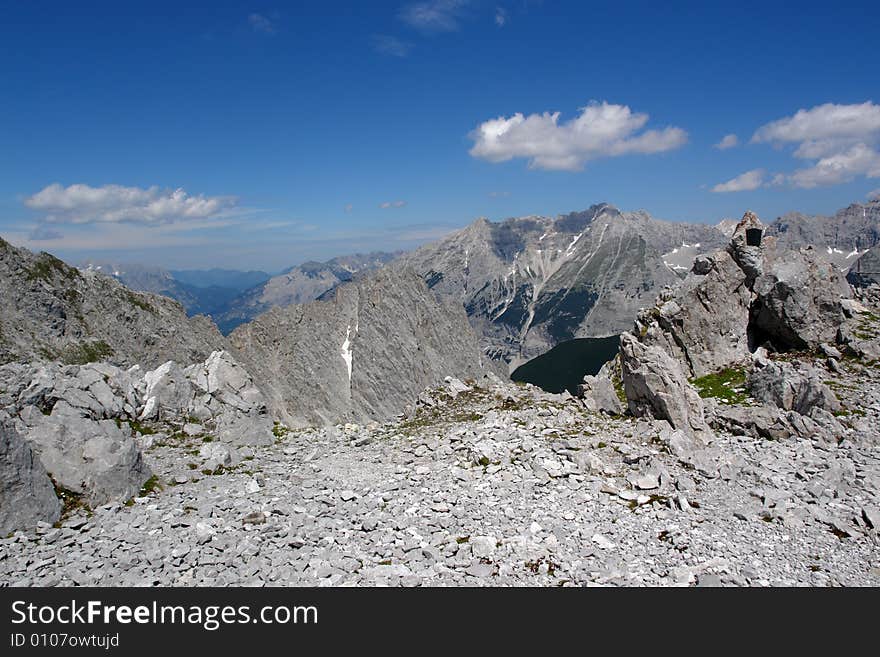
(745, 182)
(261, 23)
(82, 204)
(392, 204)
(828, 121)
(389, 45)
(874, 195)
(434, 15)
(844, 166)
(500, 16)
(600, 130)
(840, 139)
(728, 141)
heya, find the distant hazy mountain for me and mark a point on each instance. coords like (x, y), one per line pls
(196, 300)
(221, 278)
(530, 283)
(299, 284)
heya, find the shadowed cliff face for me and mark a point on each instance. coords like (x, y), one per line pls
(362, 354)
(531, 283)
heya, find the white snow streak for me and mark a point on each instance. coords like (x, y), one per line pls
(346, 350)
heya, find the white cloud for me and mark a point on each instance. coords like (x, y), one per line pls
(600, 130)
(389, 45)
(744, 182)
(499, 194)
(501, 16)
(840, 167)
(261, 23)
(841, 139)
(823, 122)
(874, 195)
(348, 207)
(434, 15)
(82, 204)
(728, 141)
(392, 204)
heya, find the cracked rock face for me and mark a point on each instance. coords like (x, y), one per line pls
(26, 492)
(704, 323)
(83, 422)
(799, 301)
(791, 387)
(656, 386)
(92, 458)
(361, 355)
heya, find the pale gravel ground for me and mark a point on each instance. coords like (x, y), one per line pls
(411, 507)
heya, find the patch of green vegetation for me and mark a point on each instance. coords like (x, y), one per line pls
(151, 485)
(217, 471)
(46, 266)
(208, 439)
(455, 410)
(85, 352)
(727, 385)
(462, 539)
(279, 431)
(47, 352)
(135, 300)
(142, 429)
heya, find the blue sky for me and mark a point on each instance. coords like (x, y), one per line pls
(305, 130)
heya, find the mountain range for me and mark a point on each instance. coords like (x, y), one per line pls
(526, 284)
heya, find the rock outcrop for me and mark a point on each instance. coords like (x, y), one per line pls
(790, 386)
(94, 459)
(50, 311)
(598, 392)
(362, 355)
(730, 304)
(704, 322)
(656, 386)
(86, 425)
(748, 295)
(26, 492)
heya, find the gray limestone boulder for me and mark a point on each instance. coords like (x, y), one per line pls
(799, 301)
(239, 430)
(26, 492)
(705, 322)
(168, 392)
(93, 458)
(599, 394)
(223, 384)
(656, 386)
(790, 386)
